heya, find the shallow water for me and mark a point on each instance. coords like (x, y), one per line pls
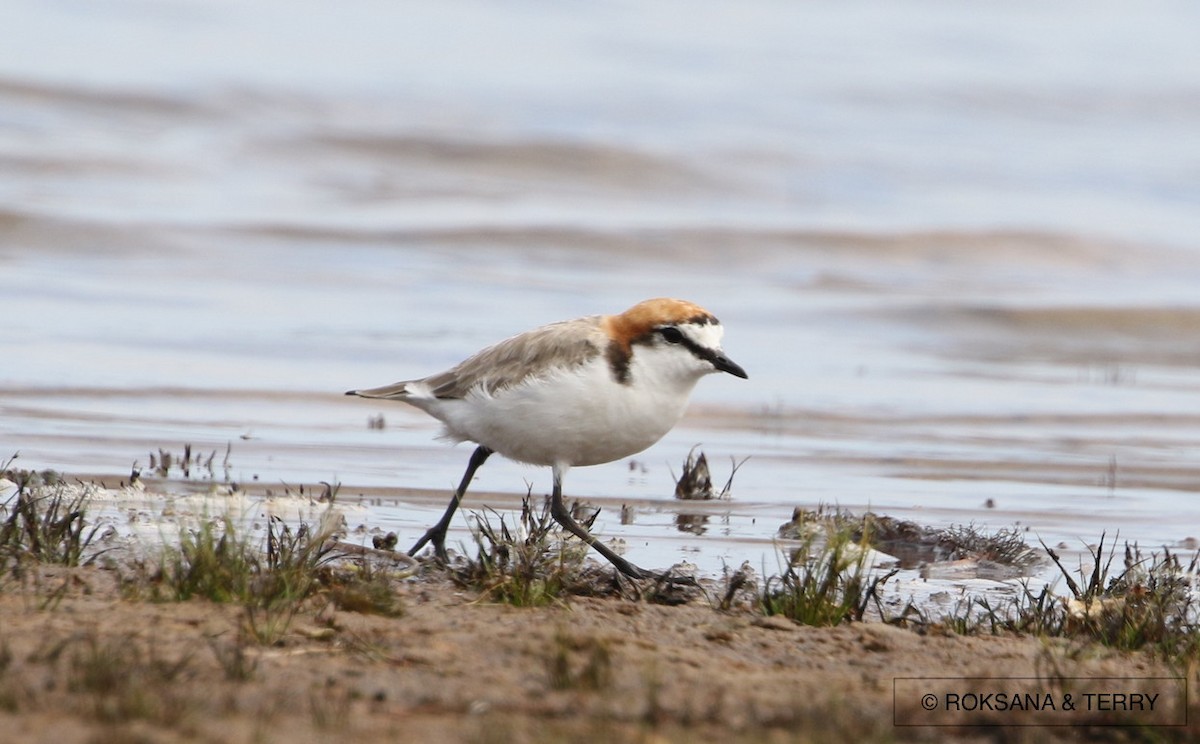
(956, 253)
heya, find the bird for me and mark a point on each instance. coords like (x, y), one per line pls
(570, 394)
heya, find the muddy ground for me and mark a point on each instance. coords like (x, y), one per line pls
(82, 662)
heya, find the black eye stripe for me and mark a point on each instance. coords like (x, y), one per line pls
(673, 335)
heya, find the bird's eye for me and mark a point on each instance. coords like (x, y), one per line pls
(672, 334)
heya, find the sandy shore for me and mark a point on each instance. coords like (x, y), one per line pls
(82, 662)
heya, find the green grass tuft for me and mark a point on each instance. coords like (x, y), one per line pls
(270, 578)
(1150, 603)
(826, 580)
(530, 566)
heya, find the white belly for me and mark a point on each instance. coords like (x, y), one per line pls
(570, 419)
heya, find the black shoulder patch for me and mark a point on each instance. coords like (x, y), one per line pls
(618, 357)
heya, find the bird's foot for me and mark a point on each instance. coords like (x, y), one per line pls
(438, 539)
(666, 587)
(662, 579)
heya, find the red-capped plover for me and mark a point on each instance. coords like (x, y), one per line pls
(578, 392)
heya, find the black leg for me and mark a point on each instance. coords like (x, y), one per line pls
(562, 515)
(437, 533)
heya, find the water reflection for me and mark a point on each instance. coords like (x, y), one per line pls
(696, 524)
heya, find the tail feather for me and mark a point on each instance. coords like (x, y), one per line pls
(395, 391)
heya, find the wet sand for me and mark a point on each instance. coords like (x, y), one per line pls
(454, 667)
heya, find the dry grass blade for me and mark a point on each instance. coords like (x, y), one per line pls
(45, 524)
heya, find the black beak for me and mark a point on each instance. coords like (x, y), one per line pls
(725, 364)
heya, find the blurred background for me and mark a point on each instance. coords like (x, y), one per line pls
(954, 245)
